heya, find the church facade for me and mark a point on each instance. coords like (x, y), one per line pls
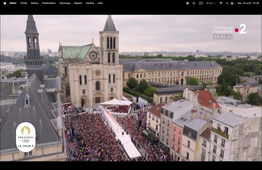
(91, 74)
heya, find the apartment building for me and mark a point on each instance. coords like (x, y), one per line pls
(235, 138)
(203, 100)
(191, 142)
(153, 119)
(169, 113)
(177, 132)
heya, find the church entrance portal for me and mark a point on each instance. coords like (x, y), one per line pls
(83, 101)
(98, 100)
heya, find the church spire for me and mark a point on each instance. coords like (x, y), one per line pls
(30, 26)
(109, 26)
(33, 60)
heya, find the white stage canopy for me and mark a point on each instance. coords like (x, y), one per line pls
(116, 102)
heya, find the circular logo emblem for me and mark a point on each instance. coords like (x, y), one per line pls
(25, 130)
(25, 137)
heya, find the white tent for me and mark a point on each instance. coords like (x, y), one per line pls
(112, 102)
(116, 102)
(125, 102)
(128, 145)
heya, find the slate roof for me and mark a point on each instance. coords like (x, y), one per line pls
(109, 26)
(227, 100)
(185, 118)
(30, 26)
(176, 89)
(136, 65)
(249, 83)
(40, 114)
(230, 119)
(177, 105)
(51, 83)
(196, 124)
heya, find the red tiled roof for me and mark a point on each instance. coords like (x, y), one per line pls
(204, 98)
(156, 110)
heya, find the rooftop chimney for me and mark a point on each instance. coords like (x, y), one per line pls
(193, 114)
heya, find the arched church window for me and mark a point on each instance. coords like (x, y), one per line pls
(113, 58)
(108, 58)
(111, 43)
(85, 79)
(114, 43)
(97, 85)
(114, 78)
(80, 80)
(29, 41)
(35, 43)
(107, 43)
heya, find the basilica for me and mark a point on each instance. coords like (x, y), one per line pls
(91, 74)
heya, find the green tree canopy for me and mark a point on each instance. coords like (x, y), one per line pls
(150, 91)
(192, 81)
(254, 99)
(132, 83)
(238, 71)
(223, 89)
(16, 74)
(237, 95)
(142, 86)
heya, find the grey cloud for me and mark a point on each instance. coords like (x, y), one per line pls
(137, 33)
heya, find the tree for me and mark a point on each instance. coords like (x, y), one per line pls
(192, 81)
(132, 83)
(204, 86)
(237, 95)
(238, 71)
(224, 89)
(16, 74)
(150, 91)
(142, 86)
(254, 99)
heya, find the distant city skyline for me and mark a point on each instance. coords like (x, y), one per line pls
(146, 33)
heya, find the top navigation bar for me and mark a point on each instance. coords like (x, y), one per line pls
(130, 7)
(53, 3)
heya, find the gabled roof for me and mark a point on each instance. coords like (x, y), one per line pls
(147, 65)
(76, 52)
(156, 110)
(39, 113)
(30, 26)
(206, 99)
(109, 26)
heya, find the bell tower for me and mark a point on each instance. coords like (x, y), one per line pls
(109, 43)
(33, 60)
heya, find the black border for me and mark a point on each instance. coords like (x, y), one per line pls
(132, 7)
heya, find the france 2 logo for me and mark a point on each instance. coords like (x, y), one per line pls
(242, 29)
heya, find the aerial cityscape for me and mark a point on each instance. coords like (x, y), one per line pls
(138, 88)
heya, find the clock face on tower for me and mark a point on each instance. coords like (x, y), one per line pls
(93, 55)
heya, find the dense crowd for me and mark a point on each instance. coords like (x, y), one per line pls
(135, 129)
(96, 141)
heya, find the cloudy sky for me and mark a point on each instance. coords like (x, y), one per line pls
(137, 33)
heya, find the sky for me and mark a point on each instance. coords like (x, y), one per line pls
(138, 33)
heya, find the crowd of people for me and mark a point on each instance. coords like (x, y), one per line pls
(119, 109)
(96, 141)
(135, 126)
